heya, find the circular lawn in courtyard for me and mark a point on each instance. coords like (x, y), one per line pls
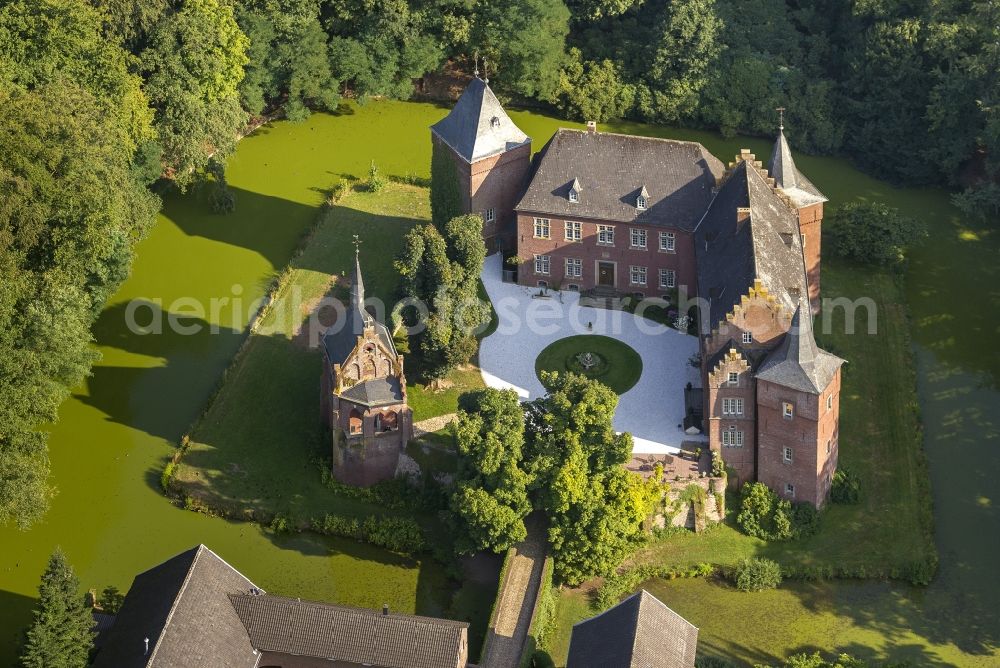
(599, 357)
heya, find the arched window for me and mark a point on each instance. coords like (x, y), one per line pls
(388, 422)
(354, 422)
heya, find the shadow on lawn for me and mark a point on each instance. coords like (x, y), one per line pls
(15, 615)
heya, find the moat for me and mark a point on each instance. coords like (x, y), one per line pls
(117, 431)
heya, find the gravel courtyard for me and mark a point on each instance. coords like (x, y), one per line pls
(652, 410)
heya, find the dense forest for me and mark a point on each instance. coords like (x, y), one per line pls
(103, 102)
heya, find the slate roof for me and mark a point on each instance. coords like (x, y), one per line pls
(768, 246)
(183, 607)
(613, 170)
(477, 126)
(787, 176)
(639, 632)
(355, 635)
(340, 339)
(798, 362)
(375, 392)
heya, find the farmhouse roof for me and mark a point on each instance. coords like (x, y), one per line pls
(341, 339)
(787, 176)
(182, 607)
(477, 126)
(352, 635)
(798, 362)
(639, 632)
(766, 245)
(676, 177)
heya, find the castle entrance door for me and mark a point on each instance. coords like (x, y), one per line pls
(606, 274)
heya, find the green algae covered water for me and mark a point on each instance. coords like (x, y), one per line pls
(116, 432)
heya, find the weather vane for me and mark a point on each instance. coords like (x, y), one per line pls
(475, 59)
(781, 117)
(486, 71)
(357, 244)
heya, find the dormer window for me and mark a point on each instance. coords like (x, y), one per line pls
(574, 191)
(494, 122)
(642, 199)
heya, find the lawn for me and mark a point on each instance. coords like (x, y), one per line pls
(880, 440)
(613, 363)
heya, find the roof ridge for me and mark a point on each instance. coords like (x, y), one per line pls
(582, 131)
(367, 611)
(173, 605)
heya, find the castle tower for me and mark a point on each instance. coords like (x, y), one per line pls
(808, 202)
(489, 157)
(363, 394)
(798, 412)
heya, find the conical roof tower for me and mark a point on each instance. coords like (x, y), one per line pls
(788, 178)
(477, 126)
(798, 362)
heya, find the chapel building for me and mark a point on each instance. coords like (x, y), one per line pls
(363, 394)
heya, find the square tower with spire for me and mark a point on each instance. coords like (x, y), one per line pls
(363, 393)
(489, 157)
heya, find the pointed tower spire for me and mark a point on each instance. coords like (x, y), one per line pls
(786, 175)
(357, 283)
(798, 362)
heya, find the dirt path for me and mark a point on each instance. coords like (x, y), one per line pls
(517, 600)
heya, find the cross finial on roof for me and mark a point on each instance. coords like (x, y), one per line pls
(357, 245)
(781, 117)
(486, 72)
(475, 59)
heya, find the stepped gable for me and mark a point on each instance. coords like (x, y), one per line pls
(766, 246)
(798, 363)
(614, 169)
(477, 126)
(788, 178)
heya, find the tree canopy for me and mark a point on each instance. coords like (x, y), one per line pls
(61, 635)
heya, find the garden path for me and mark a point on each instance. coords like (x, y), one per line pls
(505, 640)
(652, 410)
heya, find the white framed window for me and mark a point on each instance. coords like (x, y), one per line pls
(732, 437)
(573, 287)
(574, 267)
(574, 231)
(734, 378)
(542, 228)
(788, 410)
(747, 337)
(829, 402)
(542, 264)
(732, 406)
(638, 238)
(637, 275)
(574, 196)
(668, 242)
(786, 455)
(640, 202)
(668, 278)
(789, 490)
(606, 235)
(489, 215)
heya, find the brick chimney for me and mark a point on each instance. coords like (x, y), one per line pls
(591, 126)
(742, 216)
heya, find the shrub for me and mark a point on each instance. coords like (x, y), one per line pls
(281, 524)
(757, 574)
(846, 487)
(763, 515)
(718, 466)
(873, 233)
(375, 182)
(167, 476)
(398, 534)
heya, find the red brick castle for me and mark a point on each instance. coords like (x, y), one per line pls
(618, 215)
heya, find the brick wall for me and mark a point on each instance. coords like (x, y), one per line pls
(371, 457)
(758, 313)
(808, 433)
(741, 458)
(621, 255)
(810, 226)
